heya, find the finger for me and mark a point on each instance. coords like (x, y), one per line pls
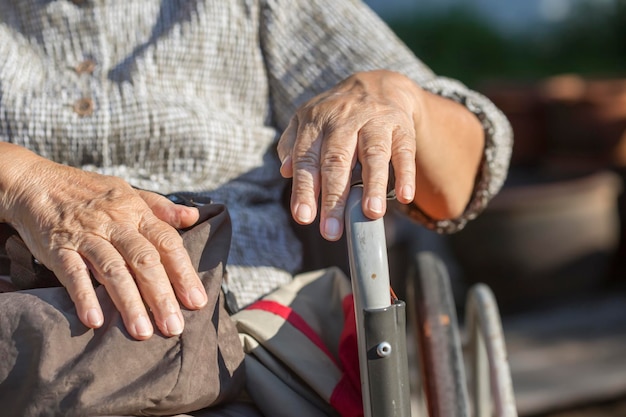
(144, 261)
(403, 161)
(285, 147)
(176, 262)
(176, 215)
(306, 173)
(374, 152)
(74, 274)
(110, 269)
(338, 159)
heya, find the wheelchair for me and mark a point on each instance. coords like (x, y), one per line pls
(462, 371)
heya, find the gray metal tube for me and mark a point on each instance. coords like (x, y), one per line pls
(368, 254)
(381, 336)
(387, 363)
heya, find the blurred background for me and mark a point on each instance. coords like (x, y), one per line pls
(552, 245)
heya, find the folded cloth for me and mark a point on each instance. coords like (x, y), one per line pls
(52, 365)
(301, 348)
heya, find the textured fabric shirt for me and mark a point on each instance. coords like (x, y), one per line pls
(192, 95)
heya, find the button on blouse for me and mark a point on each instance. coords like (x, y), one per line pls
(86, 67)
(84, 107)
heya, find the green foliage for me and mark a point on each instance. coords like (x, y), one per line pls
(459, 44)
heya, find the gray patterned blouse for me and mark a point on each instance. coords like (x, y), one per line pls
(191, 95)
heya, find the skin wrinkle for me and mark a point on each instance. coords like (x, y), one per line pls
(145, 259)
(339, 158)
(381, 107)
(100, 225)
(305, 162)
(167, 241)
(74, 271)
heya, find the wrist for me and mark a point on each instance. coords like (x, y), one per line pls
(17, 167)
(450, 142)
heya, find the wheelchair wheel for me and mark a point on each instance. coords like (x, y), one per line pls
(432, 313)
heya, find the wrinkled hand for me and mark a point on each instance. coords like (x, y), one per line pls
(368, 118)
(77, 222)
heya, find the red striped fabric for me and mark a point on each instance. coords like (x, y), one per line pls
(346, 395)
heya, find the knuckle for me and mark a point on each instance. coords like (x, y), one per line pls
(306, 159)
(404, 150)
(114, 270)
(337, 158)
(312, 109)
(377, 183)
(81, 296)
(404, 144)
(168, 241)
(333, 201)
(303, 187)
(74, 272)
(376, 150)
(146, 259)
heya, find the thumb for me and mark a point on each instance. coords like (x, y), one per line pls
(176, 215)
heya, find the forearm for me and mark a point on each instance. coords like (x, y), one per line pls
(450, 143)
(16, 163)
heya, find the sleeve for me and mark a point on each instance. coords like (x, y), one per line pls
(311, 45)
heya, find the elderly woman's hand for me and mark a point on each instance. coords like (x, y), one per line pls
(79, 223)
(377, 118)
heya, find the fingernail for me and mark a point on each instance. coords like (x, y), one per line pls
(143, 327)
(408, 193)
(94, 318)
(285, 160)
(174, 325)
(286, 169)
(197, 297)
(303, 213)
(375, 204)
(331, 228)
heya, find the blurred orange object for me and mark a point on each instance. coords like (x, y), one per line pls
(586, 119)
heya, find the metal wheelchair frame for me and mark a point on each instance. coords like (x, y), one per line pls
(381, 329)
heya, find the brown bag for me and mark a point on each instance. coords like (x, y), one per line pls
(52, 365)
